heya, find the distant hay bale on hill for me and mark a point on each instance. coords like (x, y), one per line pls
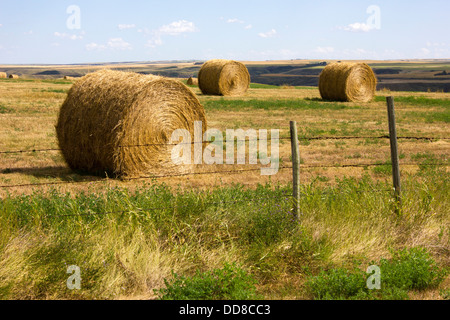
(121, 123)
(3, 75)
(192, 81)
(13, 76)
(223, 77)
(344, 81)
(69, 78)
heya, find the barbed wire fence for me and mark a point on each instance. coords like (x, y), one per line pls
(296, 166)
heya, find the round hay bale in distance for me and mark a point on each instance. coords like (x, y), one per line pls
(3, 75)
(223, 77)
(121, 123)
(14, 76)
(192, 81)
(345, 81)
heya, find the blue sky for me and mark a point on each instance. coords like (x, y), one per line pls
(79, 31)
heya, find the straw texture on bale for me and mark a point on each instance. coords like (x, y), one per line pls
(2, 74)
(121, 123)
(344, 81)
(13, 76)
(192, 81)
(223, 77)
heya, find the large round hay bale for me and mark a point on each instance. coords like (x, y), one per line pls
(192, 81)
(344, 81)
(223, 77)
(121, 123)
(14, 76)
(3, 75)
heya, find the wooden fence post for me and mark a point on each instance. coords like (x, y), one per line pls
(394, 154)
(295, 168)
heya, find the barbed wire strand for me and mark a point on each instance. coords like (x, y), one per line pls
(245, 140)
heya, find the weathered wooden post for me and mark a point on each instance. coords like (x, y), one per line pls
(394, 154)
(295, 168)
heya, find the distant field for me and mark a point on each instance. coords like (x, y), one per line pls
(129, 236)
(398, 75)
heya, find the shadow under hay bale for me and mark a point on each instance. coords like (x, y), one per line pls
(344, 81)
(121, 123)
(223, 77)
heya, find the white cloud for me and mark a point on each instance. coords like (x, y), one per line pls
(361, 52)
(358, 27)
(1, 25)
(435, 50)
(425, 51)
(154, 41)
(234, 21)
(324, 50)
(437, 44)
(238, 21)
(119, 44)
(126, 26)
(177, 27)
(95, 46)
(112, 44)
(29, 33)
(268, 34)
(69, 36)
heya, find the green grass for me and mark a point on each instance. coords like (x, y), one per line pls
(51, 81)
(269, 86)
(274, 104)
(383, 168)
(418, 101)
(430, 117)
(408, 269)
(55, 90)
(263, 86)
(228, 283)
(4, 109)
(130, 243)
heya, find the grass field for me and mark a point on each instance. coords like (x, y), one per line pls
(130, 238)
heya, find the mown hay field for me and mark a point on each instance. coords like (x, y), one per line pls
(128, 236)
